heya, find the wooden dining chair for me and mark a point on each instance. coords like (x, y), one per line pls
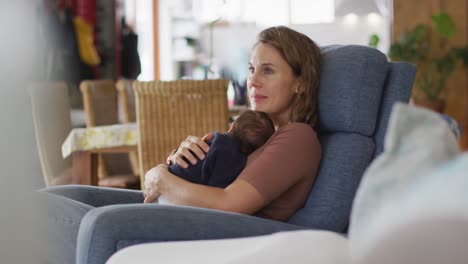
(127, 114)
(100, 106)
(169, 111)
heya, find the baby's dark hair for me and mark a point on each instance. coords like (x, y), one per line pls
(252, 129)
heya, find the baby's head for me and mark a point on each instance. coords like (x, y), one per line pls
(252, 129)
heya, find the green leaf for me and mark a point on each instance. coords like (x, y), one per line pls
(374, 41)
(444, 24)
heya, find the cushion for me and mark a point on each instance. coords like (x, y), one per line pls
(350, 91)
(430, 217)
(453, 125)
(417, 141)
(329, 203)
(399, 75)
(351, 88)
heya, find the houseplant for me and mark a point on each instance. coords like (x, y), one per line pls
(427, 46)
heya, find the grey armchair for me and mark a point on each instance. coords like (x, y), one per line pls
(358, 88)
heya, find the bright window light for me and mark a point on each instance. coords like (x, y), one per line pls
(351, 19)
(266, 12)
(374, 19)
(311, 12)
(232, 10)
(144, 29)
(208, 11)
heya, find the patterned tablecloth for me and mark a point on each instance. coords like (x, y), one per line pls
(82, 139)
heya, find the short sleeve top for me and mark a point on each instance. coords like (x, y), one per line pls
(283, 170)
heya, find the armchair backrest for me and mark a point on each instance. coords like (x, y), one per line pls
(168, 111)
(358, 87)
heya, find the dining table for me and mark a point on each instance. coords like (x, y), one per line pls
(85, 145)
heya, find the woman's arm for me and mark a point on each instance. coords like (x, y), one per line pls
(290, 157)
(238, 197)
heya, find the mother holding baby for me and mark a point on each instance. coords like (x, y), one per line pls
(283, 80)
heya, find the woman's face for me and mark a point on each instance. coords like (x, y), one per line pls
(271, 83)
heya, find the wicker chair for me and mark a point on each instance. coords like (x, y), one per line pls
(100, 105)
(126, 101)
(169, 111)
(127, 114)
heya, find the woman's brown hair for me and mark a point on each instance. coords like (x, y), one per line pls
(305, 59)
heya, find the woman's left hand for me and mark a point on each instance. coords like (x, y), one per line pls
(152, 183)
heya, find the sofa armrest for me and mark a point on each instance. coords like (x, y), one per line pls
(105, 230)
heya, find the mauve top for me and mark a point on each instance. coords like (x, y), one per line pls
(283, 170)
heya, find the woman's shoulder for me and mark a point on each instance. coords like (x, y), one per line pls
(294, 136)
(299, 130)
(297, 127)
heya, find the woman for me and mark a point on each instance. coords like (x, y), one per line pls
(283, 83)
(284, 75)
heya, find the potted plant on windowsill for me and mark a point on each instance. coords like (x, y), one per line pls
(427, 46)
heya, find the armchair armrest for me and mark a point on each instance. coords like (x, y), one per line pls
(107, 229)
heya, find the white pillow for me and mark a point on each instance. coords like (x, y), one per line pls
(417, 141)
(430, 218)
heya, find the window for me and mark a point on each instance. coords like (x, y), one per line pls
(266, 12)
(311, 12)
